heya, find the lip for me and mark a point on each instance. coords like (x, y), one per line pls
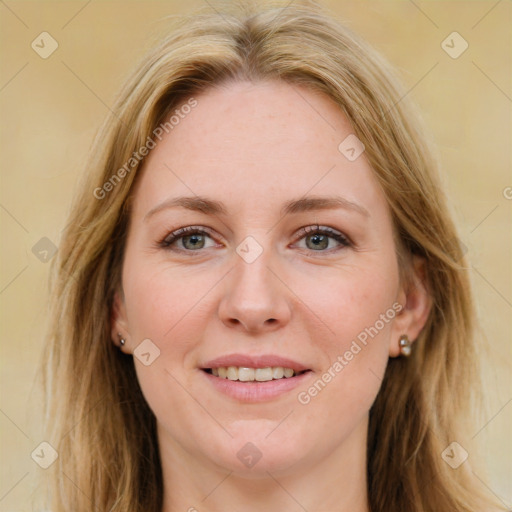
(255, 361)
(253, 392)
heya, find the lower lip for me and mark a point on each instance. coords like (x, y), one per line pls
(256, 391)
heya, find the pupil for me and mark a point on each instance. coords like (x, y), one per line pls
(194, 240)
(320, 241)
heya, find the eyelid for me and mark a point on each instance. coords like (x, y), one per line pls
(340, 237)
(313, 228)
(176, 234)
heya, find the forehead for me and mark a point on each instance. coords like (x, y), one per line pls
(252, 142)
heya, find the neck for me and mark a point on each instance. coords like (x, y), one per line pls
(336, 482)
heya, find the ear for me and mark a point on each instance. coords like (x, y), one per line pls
(118, 320)
(416, 300)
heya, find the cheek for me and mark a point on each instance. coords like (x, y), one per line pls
(161, 302)
(359, 313)
(164, 305)
(359, 307)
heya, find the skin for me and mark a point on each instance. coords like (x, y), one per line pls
(264, 144)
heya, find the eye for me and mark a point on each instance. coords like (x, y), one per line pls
(316, 238)
(191, 238)
(323, 239)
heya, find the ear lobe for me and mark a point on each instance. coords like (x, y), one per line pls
(417, 303)
(118, 322)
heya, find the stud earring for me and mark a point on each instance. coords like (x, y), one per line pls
(122, 341)
(405, 345)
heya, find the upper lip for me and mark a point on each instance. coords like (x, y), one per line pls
(254, 361)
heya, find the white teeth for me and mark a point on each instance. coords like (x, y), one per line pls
(245, 374)
(232, 373)
(288, 372)
(263, 374)
(278, 372)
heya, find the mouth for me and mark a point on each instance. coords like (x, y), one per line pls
(250, 375)
(251, 379)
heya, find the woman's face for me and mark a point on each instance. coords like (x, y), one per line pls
(287, 262)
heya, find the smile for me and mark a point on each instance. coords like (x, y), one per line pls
(245, 374)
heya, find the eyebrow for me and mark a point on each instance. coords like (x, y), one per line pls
(304, 204)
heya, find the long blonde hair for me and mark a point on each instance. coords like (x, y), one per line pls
(97, 417)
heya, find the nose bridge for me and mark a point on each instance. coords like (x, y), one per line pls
(254, 298)
(252, 278)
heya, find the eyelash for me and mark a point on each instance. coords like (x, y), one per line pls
(343, 240)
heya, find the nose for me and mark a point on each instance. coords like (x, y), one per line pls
(255, 299)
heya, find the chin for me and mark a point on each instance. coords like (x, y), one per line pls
(256, 450)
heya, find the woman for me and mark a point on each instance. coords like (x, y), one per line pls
(260, 302)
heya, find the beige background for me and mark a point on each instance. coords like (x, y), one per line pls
(51, 109)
